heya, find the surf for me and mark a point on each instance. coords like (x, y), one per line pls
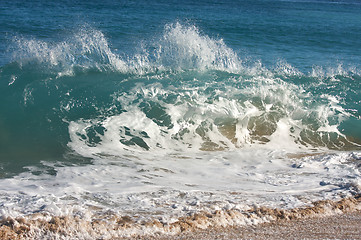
(184, 124)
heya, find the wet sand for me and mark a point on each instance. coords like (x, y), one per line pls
(340, 226)
(310, 223)
(323, 220)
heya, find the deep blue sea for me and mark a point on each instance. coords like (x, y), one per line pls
(127, 105)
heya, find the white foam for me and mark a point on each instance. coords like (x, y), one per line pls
(151, 184)
(184, 47)
(266, 110)
(168, 164)
(331, 72)
(179, 48)
(87, 48)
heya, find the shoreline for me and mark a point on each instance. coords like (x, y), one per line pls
(325, 220)
(318, 221)
(338, 226)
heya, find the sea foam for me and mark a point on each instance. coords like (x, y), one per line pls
(181, 128)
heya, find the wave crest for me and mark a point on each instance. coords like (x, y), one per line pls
(179, 48)
(184, 47)
(86, 49)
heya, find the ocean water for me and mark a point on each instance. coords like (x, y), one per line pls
(162, 109)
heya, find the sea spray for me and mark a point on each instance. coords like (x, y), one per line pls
(139, 120)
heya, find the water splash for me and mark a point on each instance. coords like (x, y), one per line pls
(217, 114)
(179, 48)
(184, 47)
(86, 49)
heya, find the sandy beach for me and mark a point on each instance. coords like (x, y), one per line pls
(340, 226)
(344, 225)
(324, 220)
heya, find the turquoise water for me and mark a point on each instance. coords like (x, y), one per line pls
(57, 54)
(84, 83)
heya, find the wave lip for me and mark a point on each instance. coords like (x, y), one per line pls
(86, 49)
(185, 48)
(179, 48)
